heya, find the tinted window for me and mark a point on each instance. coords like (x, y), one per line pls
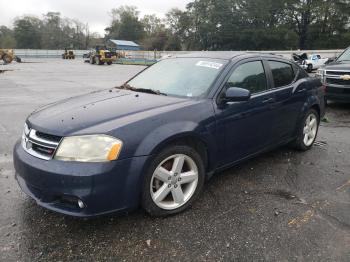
(249, 76)
(282, 73)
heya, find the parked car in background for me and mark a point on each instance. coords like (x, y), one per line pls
(313, 62)
(336, 77)
(154, 140)
(299, 58)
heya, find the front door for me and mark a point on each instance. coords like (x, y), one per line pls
(244, 128)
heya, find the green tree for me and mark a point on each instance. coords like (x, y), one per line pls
(27, 32)
(180, 25)
(126, 24)
(7, 39)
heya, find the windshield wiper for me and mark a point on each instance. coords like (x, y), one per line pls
(143, 90)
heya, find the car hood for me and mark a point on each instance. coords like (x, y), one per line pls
(78, 113)
(338, 66)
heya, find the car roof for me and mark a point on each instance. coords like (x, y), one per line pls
(228, 55)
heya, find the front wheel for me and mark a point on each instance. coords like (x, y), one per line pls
(308, 130)
(174, 180)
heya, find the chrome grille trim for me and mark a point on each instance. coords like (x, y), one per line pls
(33, 139)
(44, 142)
(337, 75)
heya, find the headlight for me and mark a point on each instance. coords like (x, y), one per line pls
(89, 148)
(26, 129)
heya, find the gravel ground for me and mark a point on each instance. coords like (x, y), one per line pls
(281, 206)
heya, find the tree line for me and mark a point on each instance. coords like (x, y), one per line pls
(203, 25)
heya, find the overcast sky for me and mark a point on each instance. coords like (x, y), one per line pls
(94, 12)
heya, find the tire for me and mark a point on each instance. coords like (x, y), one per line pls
(185, 187)
(301, 143)
(7, 59)
(309, 68)
(98, 61)
(109, 63)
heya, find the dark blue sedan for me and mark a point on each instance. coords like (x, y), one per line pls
(153, 141)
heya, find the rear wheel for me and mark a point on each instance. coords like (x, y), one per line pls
(174, 180)
(7, 59)
(307, 131)
(309, 68)
(109, 63)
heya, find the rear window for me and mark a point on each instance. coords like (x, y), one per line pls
(283, 73)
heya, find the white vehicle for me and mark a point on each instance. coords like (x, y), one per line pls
(313, 62)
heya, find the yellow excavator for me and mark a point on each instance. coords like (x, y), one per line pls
(7, 55)
(101, 55)
(68, 54)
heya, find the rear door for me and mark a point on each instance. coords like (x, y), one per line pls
(244, 128)
(289, 98)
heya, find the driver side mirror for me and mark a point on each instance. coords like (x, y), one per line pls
(236, 94)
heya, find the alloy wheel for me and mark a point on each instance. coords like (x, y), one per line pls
(310, 129)
(174, 182)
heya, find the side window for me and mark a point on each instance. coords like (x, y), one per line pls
(249, 76)
(318, 57)
(282, 73)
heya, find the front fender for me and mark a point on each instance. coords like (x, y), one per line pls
(164, 134)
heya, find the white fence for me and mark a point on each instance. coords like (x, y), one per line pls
(40, 53)
(36, 53)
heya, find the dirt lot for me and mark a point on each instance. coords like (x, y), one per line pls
(281, 206)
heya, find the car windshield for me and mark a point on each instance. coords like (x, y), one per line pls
(186, 77)
(345, 56)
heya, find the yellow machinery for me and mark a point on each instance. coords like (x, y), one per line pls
(68, 54)
(101, 55)
(7, 55)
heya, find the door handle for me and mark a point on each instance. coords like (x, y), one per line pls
(268, 100)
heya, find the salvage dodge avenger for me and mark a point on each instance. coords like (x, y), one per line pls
(153, 141)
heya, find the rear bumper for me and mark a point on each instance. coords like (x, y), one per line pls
(338, 93)
(57, 185)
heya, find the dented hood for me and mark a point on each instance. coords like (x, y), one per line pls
(78, 113)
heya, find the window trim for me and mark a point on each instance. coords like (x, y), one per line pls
(296, 74)
(234, 67)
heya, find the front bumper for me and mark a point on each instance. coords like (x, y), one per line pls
(338, 93)
(103, 187)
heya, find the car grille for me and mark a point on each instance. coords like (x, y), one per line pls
(335, 78)
(336, 81)
(336, 90)
(39, 144)
(337, 73)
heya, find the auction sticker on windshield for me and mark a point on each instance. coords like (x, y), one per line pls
(209, 64)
